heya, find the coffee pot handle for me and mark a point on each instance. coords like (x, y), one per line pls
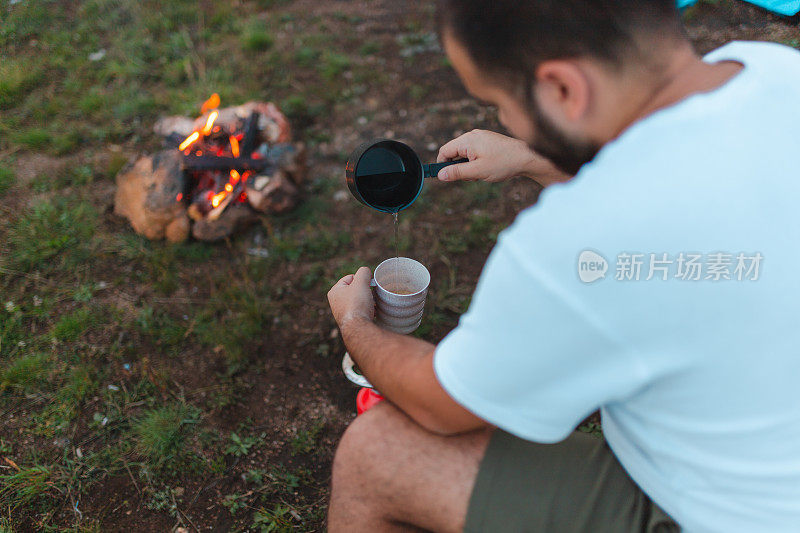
(432, 170)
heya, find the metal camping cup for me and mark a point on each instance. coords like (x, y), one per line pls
(387, 175)
(400, 312)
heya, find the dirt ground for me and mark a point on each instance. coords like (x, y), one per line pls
(243, 346)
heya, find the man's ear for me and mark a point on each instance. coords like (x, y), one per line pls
(563, 89)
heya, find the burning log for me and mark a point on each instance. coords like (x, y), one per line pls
(228, 163)
(232, 219)
(272, 194)
(250, 133)
(212, 162)
(177, 126)
(146, 193)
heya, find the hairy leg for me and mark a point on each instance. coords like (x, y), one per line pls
(390, 474)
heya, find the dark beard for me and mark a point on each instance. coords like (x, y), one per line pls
(568, 155)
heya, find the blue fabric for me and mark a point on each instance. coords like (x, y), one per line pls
(782, 7)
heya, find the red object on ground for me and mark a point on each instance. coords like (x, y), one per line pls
(367, 399)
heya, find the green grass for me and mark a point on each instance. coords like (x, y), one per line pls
(306, 56)
(52, 235)
(161, 434)
(162, 328)
(25, 486)
(57, 415)
(333, 65)
(268, 4)
(234, 330)
(16, 79)
(26, 373)
(72, 326)
(34, 138)
(369, 48)
(6, 178)
(256, 37)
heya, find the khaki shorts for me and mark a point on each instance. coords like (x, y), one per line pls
(574, 485)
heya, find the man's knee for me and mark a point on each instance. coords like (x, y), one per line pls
(364, 451)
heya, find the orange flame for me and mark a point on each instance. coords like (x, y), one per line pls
(189, 141)
(211, 103)
(210, 122)
(217, 198)
(234, 146)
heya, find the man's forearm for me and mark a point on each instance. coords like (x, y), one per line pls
(391, 362)
(399, 366)
(401, 369)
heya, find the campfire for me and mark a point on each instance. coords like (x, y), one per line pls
(224, 168)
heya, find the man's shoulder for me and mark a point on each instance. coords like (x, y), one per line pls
(753, 51)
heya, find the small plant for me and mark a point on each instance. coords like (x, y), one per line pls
(278, 480)
(285, 481)
(234, 502)
(306, 440)
(83, 293)
(306, 56)
(255, 476)
(256, 38)
(278, 519)
(163, 500)
(240, 446)
(592, 428)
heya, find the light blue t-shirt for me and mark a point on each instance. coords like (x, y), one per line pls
(696, 370)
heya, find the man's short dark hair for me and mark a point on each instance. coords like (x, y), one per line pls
(510, 37)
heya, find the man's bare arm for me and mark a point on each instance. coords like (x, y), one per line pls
(401, 368)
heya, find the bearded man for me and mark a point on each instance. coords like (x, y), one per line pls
(655, 280)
